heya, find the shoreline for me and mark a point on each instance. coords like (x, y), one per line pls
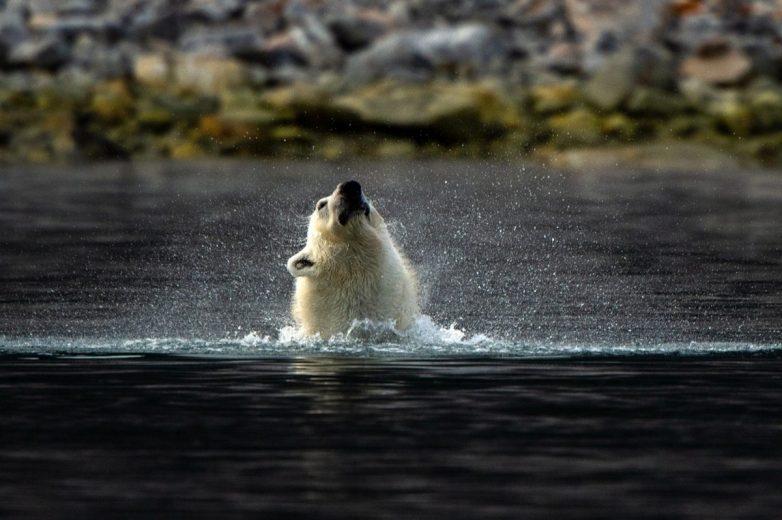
(661, 157)
(96, 80)
(123, 120)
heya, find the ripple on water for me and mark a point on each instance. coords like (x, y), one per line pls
(365, 338)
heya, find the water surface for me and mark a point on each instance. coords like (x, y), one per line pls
(595, 344)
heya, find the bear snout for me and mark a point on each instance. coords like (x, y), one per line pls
(349, 189)
(352, 201)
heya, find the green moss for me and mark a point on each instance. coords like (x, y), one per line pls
(646, 101)
(122, 119)
(112, 102)
(16, 100)
(685, 126)
(554, 97)
(576, 128)
(733, 117)
(619, 127)
(766, 108)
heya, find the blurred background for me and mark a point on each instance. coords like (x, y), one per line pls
(572, 82)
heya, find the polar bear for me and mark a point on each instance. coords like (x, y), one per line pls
(350, 269)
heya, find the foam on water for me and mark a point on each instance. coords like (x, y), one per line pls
(367, 339)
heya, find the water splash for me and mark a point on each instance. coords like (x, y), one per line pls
(368, 339)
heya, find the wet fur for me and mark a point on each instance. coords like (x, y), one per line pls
(350, 272)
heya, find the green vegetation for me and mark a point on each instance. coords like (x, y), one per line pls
(130, 119)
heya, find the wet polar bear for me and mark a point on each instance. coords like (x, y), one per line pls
(350, 269)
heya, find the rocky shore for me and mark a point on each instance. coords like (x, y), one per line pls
(107, 79)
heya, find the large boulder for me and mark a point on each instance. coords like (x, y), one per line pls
(49, 52)
(717, 62)
(465, 50)
(357, 29)
(454, 112)
(642, 65)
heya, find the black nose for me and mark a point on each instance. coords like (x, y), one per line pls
(350, 189)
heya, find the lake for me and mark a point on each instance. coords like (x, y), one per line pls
(594, 344)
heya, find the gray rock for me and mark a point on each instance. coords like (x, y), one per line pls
(48, 53)
(80, 7)
(155, 18)
(693, 29)
(33, 6)
(216, 11)
(318, 42)
(71, 26)
(76, 82)
(604, 26)
(534, 13)
(283, 50)
(766, 56)
(357, 30)
(563, 57)
(643, 65)
(453, 11)
(258, 76)
(239, 41)
(465, 50)
(92, 55)
(287, 75)
(265, 17)
(13, 32)
(308, 44)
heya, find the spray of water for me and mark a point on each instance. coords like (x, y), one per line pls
(367, 339)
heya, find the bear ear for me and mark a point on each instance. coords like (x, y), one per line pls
(301, 264)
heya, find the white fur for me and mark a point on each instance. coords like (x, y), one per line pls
(357, 272)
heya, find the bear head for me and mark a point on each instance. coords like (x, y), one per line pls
(343, 227)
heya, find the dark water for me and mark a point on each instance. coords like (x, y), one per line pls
(616, 347)
(168, 437)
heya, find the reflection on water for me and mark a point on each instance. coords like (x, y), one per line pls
(361, 438)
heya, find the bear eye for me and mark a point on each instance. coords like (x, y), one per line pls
(321, 205)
